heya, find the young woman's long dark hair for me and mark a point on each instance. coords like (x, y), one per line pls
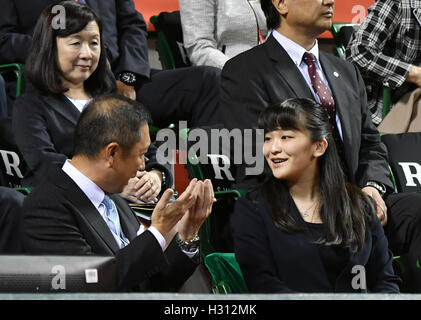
(344, 208)
(41, 66)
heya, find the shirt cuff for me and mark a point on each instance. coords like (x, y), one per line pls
(191, 255)
(158, 236)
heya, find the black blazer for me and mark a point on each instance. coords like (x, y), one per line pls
(266, 74)
(59, 219)
(273, 260)
(43, 126)
(124, 32)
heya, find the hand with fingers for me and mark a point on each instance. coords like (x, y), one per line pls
(381, 208)
(190, 223)
(144, 187)
(148, 186)
(166, 215)
(125, 90)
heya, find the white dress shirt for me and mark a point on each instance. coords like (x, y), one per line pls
(96, 195)
(79, 103)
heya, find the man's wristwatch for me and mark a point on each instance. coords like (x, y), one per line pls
(188, 246)
(380, 187)
(128, 78)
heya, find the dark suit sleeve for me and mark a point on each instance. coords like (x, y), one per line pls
(243, 95)
(252, 250)
(132, 43)
(373, 157)
(170, 279)
(49, 228)
(14, 46)
(31, 131)
(380, 273)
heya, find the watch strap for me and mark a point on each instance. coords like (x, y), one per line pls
(127, 77)
(379, 186)
(188, 246)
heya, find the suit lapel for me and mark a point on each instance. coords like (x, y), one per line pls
(85, 207)
(63, 106)
(287, 69)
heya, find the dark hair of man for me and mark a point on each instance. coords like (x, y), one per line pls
(273, 19)
(344, 207)
(41, 66)
(109, 118)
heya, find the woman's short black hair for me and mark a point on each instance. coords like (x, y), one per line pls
(41, 66)
(273, 19)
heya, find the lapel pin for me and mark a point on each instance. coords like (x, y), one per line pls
(336, 74)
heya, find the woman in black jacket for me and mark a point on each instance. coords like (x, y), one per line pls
(66, 67)
(305, 229)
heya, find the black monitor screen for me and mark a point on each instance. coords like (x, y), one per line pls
(50, 274)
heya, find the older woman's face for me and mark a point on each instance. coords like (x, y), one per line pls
(78, 54)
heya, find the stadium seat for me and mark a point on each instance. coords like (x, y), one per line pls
(226, 273)
(12, 165)
(405, 166)
(17, 70)
(169, 43)
(149, 8)
(215, 233)
(405, 159)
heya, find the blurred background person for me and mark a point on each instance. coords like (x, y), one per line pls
(217, 30)
(386, 48)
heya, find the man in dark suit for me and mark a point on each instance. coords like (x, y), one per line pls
(190, 94)
(278, 70)
(76, 209)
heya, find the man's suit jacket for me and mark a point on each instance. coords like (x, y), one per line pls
(60, 219)
(265, 75)
(124, 32)
(274, 261)
(43, 126)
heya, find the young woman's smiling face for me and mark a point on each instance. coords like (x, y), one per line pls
(289, 153)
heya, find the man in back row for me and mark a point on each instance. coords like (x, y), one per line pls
(289, 64)
(76, 210)
(386, 48)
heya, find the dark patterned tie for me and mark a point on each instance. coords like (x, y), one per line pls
(326, 100)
